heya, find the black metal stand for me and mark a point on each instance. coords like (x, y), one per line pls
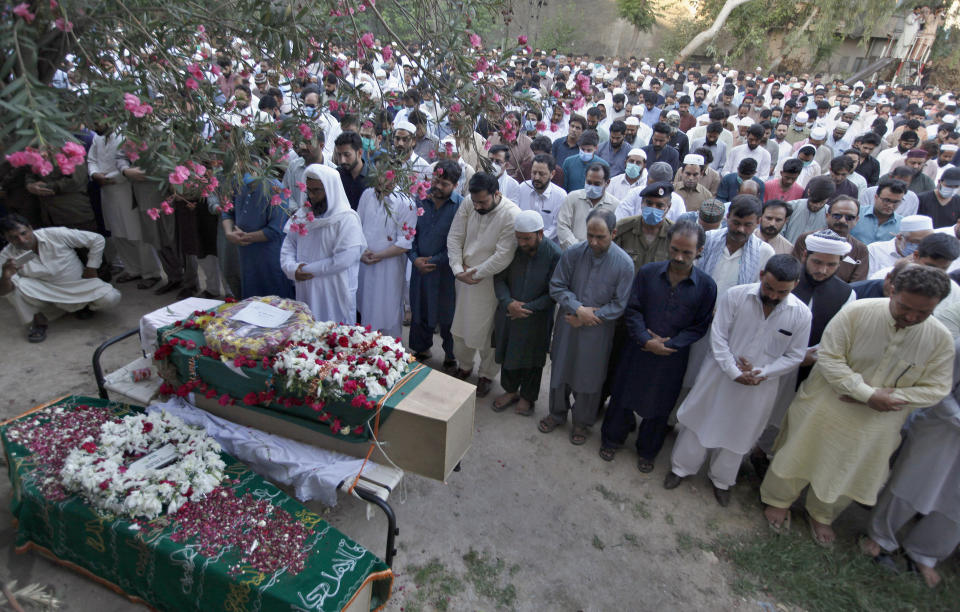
(392, 529)
(97, 369)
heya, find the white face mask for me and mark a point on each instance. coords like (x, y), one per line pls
(497, 169)
(947, 192)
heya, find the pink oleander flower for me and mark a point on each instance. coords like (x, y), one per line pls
(305, 131)
(191, 83)
(130, 102)
(386, 53)
(179, 175)
(389, 175)
(74, 149)
(301, 186)
(166, 208)
(63, 25)
(522, 39)
(22, 11)
(276, 200)
(153, 213)
(367, 40)
(475, 41)
(456, 107)
(420, 211)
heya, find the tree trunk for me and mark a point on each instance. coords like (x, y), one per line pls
(710, 32)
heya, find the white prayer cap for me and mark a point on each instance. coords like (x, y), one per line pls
(450, 141)
(802, 117)
(827, 241)
(818, 133)
(858, 84)
(703, 119)
(745, 122)
(638, 109)
(759, 69)
(949, 118)
(717, 66)
(949, 148)
(406, 126)
(617, 90)
(915, 223)
(853, 108)
(638, 152)
(673, 113)
(616, 63)
(881, 87)
(564, 68)
(661, 60)
(632, 121)
(380, 73)
(693, 159)
(883, 101)
(528, 221)
(353, 64)
(946, 98)
(843, 126)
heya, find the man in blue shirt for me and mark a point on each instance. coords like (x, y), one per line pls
(658, 149)
(615, 151)
(651, 113)
(879, 221)
(575, 166)
(565, 146)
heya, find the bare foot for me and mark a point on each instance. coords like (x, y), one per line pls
(776, 516)
(524, 407)
(930, 575)
(822, 534)
(505, 400)
(869, 547)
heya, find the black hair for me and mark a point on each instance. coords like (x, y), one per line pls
(11, 222)
(784, 268)
(483, 181)
(744, 205)
(923, 280)
(894, 185)
(349, 138)
(589, 137)
(498, 148)
(449, 170)
(545, 158)
(594, 167)
(609, 219)
(747, 165)
(939, 246)
(773, 203)
(792, 165)
(687, 227)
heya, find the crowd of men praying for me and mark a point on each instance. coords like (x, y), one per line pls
(767, 260)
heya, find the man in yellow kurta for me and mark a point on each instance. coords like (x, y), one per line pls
(879, 359)
(481, 243)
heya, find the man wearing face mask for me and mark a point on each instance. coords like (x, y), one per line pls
(943, 203)
(572, 216)
(644, 236)
(634, 175)
(575, 166)
(499, 155)
(759, 334)
(480, 244)
(843, 212)
(348, 153)
(912, 230)
(678, 140)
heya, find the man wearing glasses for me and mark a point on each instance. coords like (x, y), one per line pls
(879, 221)
(843, 213)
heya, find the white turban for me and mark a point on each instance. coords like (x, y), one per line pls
(827, 241)
(638, 152)
(694, 159)
(528, 221)
(915, 223)
(406, 125)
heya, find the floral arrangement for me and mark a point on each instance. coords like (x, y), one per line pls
(232, 338)
(103, 468)
(332, 362)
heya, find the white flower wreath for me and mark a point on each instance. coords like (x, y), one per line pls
(113, 476)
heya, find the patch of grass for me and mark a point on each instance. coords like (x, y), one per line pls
(598, 543)
(610, 496)
(686, 542)
(632, 538)
(640, 509)
(796, 571)
(668, 518)
(434, 587)
(713, 525)
(484, 574)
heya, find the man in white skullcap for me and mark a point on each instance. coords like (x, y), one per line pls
(638, 134)
(524, 314)
(798, 130)
(838, 140)
(913, 229)
(322, 248)
(634, 175)
(825, 294)
(404, 140)
(945, 159)
(687, 183)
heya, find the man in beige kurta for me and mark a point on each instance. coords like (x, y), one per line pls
(879, 359)
(481, 243)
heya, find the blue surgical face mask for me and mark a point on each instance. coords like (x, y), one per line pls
(529, 125)
(593, 192)
(651, 215)
(633, 170)
(310, 111)
(586, 157)
(368, 144)
(807, 163)
(909, 247)
(947, 192)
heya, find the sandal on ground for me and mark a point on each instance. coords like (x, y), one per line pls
(548, 424)
(37, 333)
(607, 454)
(525, 411)
(782, 528)
(578, 435)
(499, 406)
(645, 465)
(816, 538)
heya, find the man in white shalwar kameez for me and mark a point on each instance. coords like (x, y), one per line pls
(481, 243)
(119, 214)
(759, 334)
(388, 228)
(54, 281)
(325, 263)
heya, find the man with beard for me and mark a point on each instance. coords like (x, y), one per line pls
(879, 359)
(842, 215)
(945, 158)
(524, 314)
(688, 186)
(907, 141)
(658, 150)
(825, 294)
(751, 149)
(868, 167)
(348, 154)
(404, 138)
(734, 255)
(678, 140)
(480, 244)
(614, 151)
(785, 187)
(670, 308)
(809, 214)
(308, 152)
(773, 218)
(712, 142)
(591, 285)
(542, 195)
(322, 248)
(759, 334)
(432, 291)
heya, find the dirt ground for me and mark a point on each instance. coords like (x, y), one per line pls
(530, 523)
